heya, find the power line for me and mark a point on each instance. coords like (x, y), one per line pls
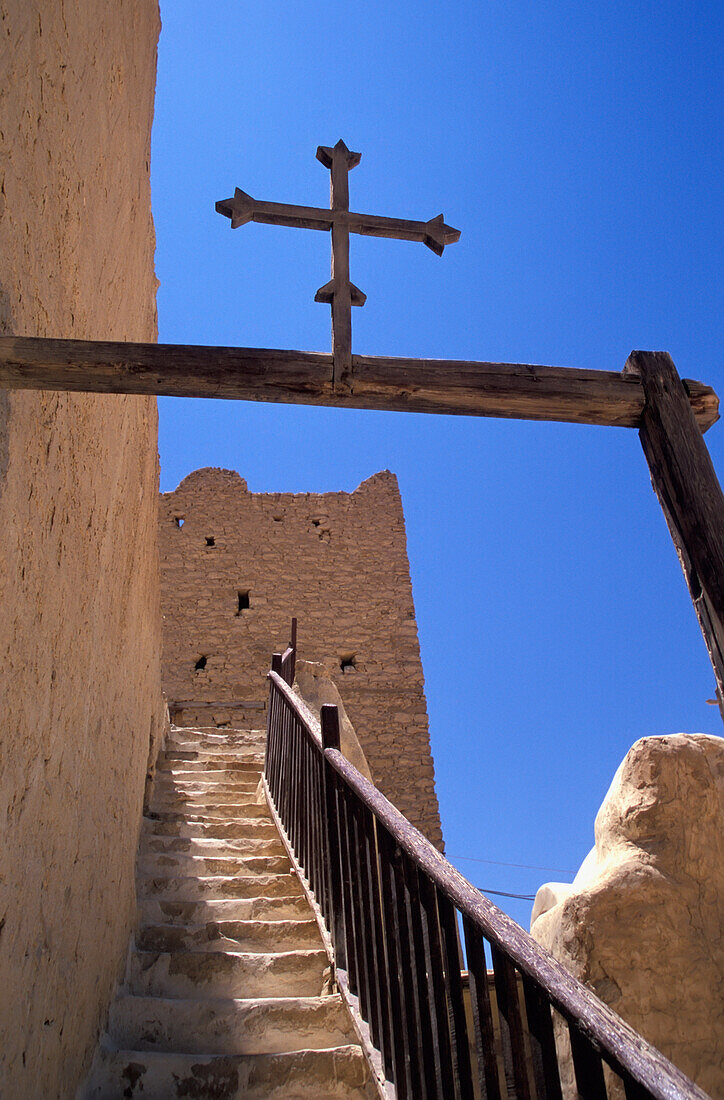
(525, 866)
(504, 894)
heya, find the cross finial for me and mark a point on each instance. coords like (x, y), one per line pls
(339, 292)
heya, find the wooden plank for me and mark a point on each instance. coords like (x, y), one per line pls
(510, 390)
(688, 490)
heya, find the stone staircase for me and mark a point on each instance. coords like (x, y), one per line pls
(223, 989)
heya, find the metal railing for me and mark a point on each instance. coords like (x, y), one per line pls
(391, 903)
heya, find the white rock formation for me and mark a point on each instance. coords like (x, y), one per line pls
(642, 924)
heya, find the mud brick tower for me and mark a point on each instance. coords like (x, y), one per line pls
(237, 565)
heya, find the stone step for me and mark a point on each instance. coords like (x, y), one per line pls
(188, 865)
(197, 828)
(264, 1026)
(205, 974)
(205, 749)
(215, 815)
(178, 758)
(158, 910)
(231, 935)
(267, 845)
(191, 888)
(340, 1072)
(252, 751)
(217, 734)
(178, 800)
(244, 812)
(197, 785)
(194, 772)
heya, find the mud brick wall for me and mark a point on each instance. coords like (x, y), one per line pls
(80, 628)
(236, 566)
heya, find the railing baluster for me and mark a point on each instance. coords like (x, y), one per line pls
(364, 894)
(511, 1024)
(482, 1012)
(438, 996)
(588, 1066)
(542, 1042)
(633, 1090)
(320, 881)
(306, 799)
(350, 917)
(329, 716)
(400, 1035)
(412, 1008)
(420, 978)
(350, 825)
(458, 1024)
(372, 888)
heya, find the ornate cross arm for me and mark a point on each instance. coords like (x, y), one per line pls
(339, 292)
(242, 208)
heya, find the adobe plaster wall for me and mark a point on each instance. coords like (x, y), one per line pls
(338, 561)
(80, 628)
(642, 923)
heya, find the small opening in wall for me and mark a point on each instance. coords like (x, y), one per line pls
(316, 522)
(179, 521)
(277, 519)
(348, 661)
(243, 602)
(201, 663)
(210, 540)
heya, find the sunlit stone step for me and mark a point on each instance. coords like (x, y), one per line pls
(261, 1026)
(179, 825)
(187, 865)
(181, 762)
(168, 785)
(226, 973)
(340, 1072)
(212, 735)
(231, 935)
(266, 845)
(244, 811)
(207, 800)
(192, 888)
(159, 910)
(212, 749)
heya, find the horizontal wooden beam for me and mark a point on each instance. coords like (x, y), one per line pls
(510, 390)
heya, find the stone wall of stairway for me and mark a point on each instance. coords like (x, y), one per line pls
(80, 623)
(338, 561)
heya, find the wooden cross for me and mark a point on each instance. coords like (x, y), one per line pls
(339, 292)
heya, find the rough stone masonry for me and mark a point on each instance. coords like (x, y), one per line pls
(236, 566)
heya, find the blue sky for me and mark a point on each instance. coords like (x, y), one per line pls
(577, 147)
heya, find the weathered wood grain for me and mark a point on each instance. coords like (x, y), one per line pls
(688, 490)
(510, 390)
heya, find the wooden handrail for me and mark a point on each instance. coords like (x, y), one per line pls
(616, 1041)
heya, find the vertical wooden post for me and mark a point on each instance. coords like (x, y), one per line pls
(329, 716)
(688, 490)
(293, 646)
(342, 300)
